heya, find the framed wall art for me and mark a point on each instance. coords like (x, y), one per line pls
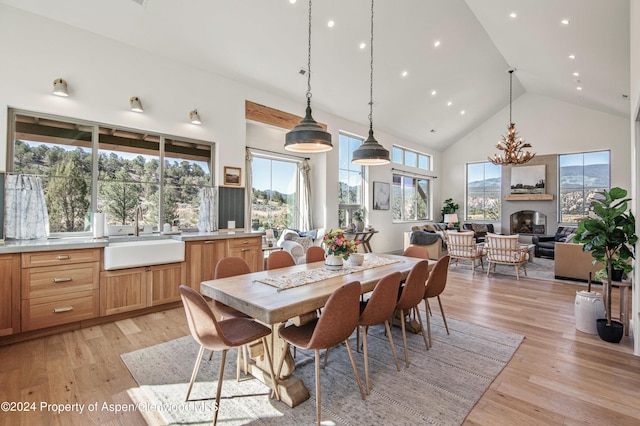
(232, 176)
(528, 179)
(381, 196)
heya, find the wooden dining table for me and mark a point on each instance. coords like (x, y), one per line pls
(274, 307)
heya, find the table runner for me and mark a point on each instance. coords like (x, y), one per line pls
(297, 279)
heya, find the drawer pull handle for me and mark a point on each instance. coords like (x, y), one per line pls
(62, 280)
(245, 249)
(210, 242)
(63, 257)
(62, 309)
(245, 242)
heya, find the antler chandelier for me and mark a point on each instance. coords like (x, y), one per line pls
(511, 144)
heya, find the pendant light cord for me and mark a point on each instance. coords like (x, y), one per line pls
(371, 76)
(309, 60)
(510, 94)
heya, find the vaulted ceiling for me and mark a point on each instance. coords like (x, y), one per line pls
(264, 43)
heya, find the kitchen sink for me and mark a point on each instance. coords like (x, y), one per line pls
(131, 254)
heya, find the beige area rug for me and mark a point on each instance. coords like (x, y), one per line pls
(539, 269)
(440, 386)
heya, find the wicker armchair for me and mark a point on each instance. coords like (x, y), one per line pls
(462, 245)
(506, 250)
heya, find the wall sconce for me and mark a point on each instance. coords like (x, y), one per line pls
(60, 88)
(194, 117)
(136, 105)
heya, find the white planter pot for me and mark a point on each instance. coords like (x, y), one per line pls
(333, 262)
(588, 309)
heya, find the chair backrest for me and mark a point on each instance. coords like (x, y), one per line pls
(413, 291)
(461, 243)
(314, 254)
(231, 266)
(416, 251)
(503, 248)
(202, 322)
(280, 259)
(437, 277)
(382, 301)
(339, 317)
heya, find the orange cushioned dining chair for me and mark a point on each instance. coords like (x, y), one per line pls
(220, 336)
(280, 259)
(433, 288)
(412, 295)
(338, 320)
(420, 252)
(314, 254)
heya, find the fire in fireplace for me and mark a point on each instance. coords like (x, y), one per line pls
(528, 222)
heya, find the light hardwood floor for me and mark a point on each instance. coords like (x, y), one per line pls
(558, 375)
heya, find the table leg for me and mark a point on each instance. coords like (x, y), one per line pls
(624, 308)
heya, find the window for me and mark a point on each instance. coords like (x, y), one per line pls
(581, 176)
(410, 198)
(63, 153)
(274, 193)
(350, 181)
(410, 158)
(483, 191)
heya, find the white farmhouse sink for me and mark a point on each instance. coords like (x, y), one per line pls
(131, 254)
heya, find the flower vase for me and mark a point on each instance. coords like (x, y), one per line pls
(334, 262)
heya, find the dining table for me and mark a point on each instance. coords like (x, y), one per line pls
(294, 294)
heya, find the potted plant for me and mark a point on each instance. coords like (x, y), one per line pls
(358, 217)
(338, 248)
(609, 233)
(449, 207)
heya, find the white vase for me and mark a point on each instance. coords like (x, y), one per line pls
(334, 262)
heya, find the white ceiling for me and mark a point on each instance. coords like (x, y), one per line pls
(264, 43)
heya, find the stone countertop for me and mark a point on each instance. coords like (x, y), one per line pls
(71, 243)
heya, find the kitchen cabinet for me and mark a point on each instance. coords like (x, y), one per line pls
(250, 249)
(9, 294)
(201, 258)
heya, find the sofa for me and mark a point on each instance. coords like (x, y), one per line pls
(297, 242)
(545, 244)
(574, 264)
(480, 230)
(435, 244)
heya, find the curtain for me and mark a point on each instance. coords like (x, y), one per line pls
(306, 219)
(208, 212)
(25, 208)
(249, 187)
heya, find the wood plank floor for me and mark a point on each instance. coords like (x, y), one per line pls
(558, 376)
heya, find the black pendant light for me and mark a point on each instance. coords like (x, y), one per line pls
(371, 153)
(308, 136)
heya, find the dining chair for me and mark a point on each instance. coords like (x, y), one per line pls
(506, 250)
(220, 336)
(280, 259)
(377, 310)
(420, 252)
(411, 296)
(338, 320)
(433, 288)
(314, 254)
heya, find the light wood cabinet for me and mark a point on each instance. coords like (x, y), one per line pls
(131, 289)
(59, 287)
(201, 258)
(9, 294)
(250, 249)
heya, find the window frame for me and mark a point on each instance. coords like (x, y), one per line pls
(484, 210)
(350, 208)
(429, 203)
(417, 154)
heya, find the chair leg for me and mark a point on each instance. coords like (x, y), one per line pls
(517, 273)
(355, 369)
(404, 338)
(318, 403)
(326, 357)
(196, 367)
(393, 348)
(220, 380)
(269, 362)
(366, 359)
(426, 303)
(424, 335)
(444, 319)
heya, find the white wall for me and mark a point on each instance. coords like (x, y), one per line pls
(552, 127)
(103, 74)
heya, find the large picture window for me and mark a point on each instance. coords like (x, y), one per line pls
(411, 198)
(581, 176)
(87, 167)
(350, 181)
(483, 191)
(274, 193)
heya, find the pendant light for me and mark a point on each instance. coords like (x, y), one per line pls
(308, 136)
(510, 143)
(371, 153)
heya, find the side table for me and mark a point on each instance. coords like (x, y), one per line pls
(624, 288)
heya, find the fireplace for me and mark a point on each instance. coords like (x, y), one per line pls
(528, 222)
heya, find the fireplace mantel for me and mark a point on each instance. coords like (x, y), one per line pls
(528, 197)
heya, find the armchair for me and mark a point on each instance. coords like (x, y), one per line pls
(462, 245)
(480, 230)
(297, 244)
(545, 244)
(506, 250)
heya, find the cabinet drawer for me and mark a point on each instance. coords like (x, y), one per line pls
(60, 257)
(63, 279)
(61, 309)
(244, 242)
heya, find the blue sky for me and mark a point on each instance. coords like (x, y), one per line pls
(273, 174)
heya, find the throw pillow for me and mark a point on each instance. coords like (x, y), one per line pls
(480, 228)
(305, 242)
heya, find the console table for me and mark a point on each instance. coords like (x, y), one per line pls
(364, 237)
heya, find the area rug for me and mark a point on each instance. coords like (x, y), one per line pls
(539, 269)
(440, 386)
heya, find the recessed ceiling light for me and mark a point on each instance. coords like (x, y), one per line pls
(404, 73)
(565, 21)
(436, 43)
(576, 74)
(292, 1)
(513, 15)
(331, 23)
(363, 45)
(449, 103)
(462, 112)
(572, 56)
(579, 88)
(434, 92)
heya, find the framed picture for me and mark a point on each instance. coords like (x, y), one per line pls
(232, 176)
(528, 179)
(381, 194)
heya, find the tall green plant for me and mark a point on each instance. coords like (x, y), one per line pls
(449, 207)
(609, 233)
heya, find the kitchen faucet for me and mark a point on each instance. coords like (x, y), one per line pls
(136, 228)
